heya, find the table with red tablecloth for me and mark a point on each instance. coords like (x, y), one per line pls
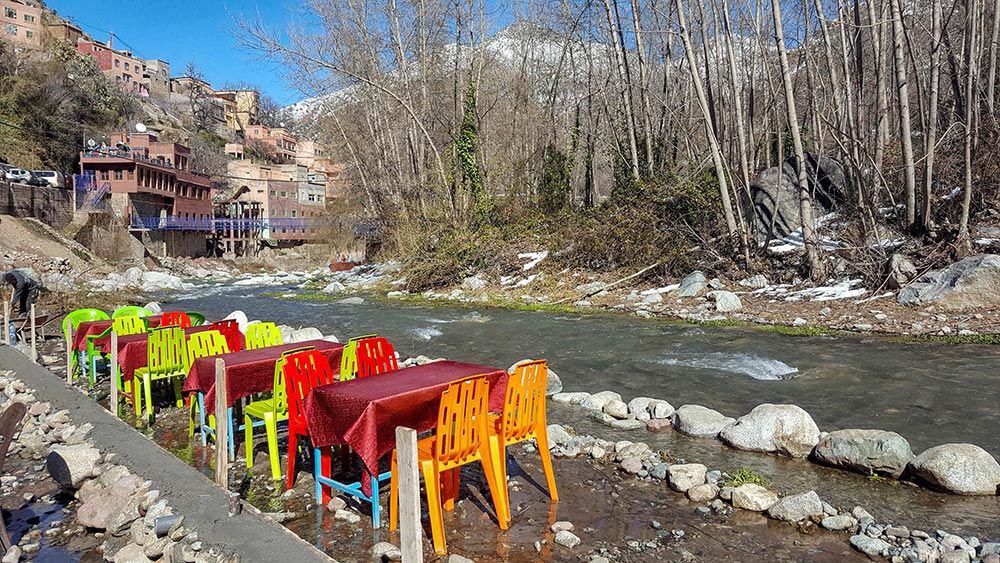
(249, 371)
(93, 328)
(133, 350)
(364, 413)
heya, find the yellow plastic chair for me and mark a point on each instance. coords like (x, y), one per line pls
(123, 326)
(523, 419)
(167, 356)
(201, 345)
(263, 335)
(349, 357)
(268, 412)
(462, 437)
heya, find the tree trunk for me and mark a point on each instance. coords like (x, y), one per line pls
(903, 105)
(932, 117)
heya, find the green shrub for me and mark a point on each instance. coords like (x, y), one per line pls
(745, 475)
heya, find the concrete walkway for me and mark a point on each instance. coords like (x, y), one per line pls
(205, 507)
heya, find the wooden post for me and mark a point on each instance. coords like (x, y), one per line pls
(6, 322)
(221, 426)
(34, 349)
(115, 374)
(69, 355)
(410, 543)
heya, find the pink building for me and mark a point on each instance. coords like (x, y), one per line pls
(284, 143)
(21, 23)
(121, 66)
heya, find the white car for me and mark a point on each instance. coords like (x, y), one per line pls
(18, 175)
(54, 179)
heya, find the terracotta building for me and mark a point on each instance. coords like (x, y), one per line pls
(120, 66)
(241, 108)
(156, 77)
(283, 142)
(21, 23)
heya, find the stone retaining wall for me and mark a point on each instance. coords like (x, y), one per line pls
(53, 206)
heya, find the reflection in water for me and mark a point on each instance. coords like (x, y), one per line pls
(929, 393)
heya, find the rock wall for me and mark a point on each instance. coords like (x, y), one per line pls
(53, 206)
(103, 234)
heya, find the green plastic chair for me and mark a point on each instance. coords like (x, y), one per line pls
(167, 355)
(268, 412)
(73, 319)
(197, 319)
(130, 310)
(349, 357)
(263, 335)
(123, 326)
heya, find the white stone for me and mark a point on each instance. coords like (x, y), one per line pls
(598, 401)
(684, 476)
(784, 429)
(753, 497)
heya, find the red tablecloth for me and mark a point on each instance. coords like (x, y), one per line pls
(365, 412)
(133, 350)
(249, 371)
(91, 328)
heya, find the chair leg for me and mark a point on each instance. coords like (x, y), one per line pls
(376, 509)
(393, 493)
(272, 444)
(491, 479)
(201, 419)
(326, 457)
(178, 395)
(498, 450)
(148, 385)
(293, 451)
(248, 439)
(192, 416)
(432, 481)
(317, 472)
(231, 438)
(137, 396)
(449, 488)
(543, 451)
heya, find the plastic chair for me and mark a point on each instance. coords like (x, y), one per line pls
(303, 372)
(263, 335)
(202, 345)
(197, 319)
(523, 418)
(269, 412)
(130, 310)
(230, 329)
(175, 318)
(73, 319)
(166, 350)
(462, 437)
(349, 357)
(123, 326)
(375, 356)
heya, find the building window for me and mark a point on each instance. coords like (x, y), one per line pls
(10, 13)
(10, 29)
(29, 18)
(119, 175)
(29, 34)
(105, 175)
(126, 66)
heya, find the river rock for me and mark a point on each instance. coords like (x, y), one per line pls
(703, 493)
(567, 539)
(334, 287)
(660, 409)
(783, 429)
(839, 523)
(684, 476)
(699, 421)
(71, 465)
(98, 509)
(758, 281)
(750, 496)
(638, 408)
(725, 301)
(557, 435)
(796, 508)
(963, 469)
(774, 194)
(473, 283)
(658, 425)
(865, 451)
(967, 284)
(899, 271)
(692, 285)
(872, 547)
(352, 301)
(385, 551)
(617, 408)
(598, 401)
(303, 334)
(571, 398)
(241, 319)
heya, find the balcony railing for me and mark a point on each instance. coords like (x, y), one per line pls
(138, 156)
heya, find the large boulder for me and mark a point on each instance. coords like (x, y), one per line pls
(775, 194)
(796, 508)
(692, 285)
(972, 283)
(753, 497)
(865, 451)
(699, 421)
(783, 429)
(899, 271)
(725, 301)
(963, 469)
(598, 401)
(70, 466)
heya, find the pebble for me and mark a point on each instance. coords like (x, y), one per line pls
(562, 525)
(567, 539)
(655, 524)
(347, 516)
(335, 504)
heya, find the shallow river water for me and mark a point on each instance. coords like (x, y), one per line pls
(929, 393)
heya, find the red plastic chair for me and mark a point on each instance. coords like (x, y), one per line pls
(375, 356)
(175, 318)
(231, 330)
(303, 371)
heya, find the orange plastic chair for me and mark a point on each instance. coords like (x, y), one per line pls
(303, 371)
(523, 419)
(375, 356)
(175, 318)
(462, 437)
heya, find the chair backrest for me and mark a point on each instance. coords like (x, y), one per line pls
(462, 420)
(128, 324)
(280, 394)
(303, 372)
(131, 310)
(262, 335)
(74, 318)
(375, 356)
(197, 319)
(166, 351)
(10, 422)
(175, 318)
(204, 344)
(524, 404)
(230, 329)
(349, 357)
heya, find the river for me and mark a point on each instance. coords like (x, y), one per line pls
(929, 393)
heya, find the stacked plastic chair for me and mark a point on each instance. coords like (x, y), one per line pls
(175, 318)
(129, 310)
(122, 326)
(230, 330)
(201, 345)
(263, 335)
(349, 357)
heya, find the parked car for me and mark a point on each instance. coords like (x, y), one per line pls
(36, 180)
(18, 175)
(51, 177)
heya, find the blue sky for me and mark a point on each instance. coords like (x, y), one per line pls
(180, 31)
